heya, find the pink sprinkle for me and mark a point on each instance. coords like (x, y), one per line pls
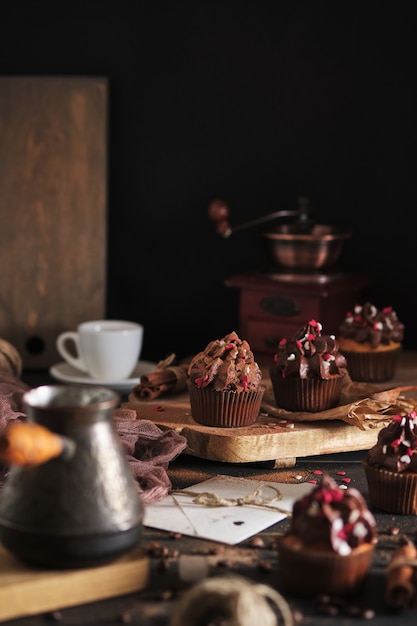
(341, 473)
(318, 472)
(158, 408)
(346, 480)
(313, 482)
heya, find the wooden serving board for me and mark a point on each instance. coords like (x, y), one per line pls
(25, 590)
(266, 440)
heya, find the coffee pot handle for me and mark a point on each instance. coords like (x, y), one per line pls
(29, 444)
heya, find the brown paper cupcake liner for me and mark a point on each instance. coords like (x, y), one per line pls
(391, 492)
(307, 572)
(309, 394)
(372, 367)
(225, 409)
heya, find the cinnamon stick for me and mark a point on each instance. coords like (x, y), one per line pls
(401, 579)
(166, 379)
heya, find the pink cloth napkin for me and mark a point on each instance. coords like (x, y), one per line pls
(149, 449)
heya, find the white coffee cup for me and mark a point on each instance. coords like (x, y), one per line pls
(106, 349)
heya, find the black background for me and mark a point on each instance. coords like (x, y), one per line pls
(255, 102)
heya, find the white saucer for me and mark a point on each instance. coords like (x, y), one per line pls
(64, 372)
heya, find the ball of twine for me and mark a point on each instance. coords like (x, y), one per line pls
(10, 359)
(230, 601)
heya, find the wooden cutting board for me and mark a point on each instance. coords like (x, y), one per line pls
(28, 591)
(265, 440)
(53, 181)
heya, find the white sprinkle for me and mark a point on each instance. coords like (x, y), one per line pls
(360, 530)
(344, 549)
(405, 458)
(291, 357)
(342, 486)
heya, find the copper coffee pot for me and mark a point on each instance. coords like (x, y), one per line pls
(69, 499)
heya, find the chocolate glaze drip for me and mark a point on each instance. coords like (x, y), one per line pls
(367, 323)
(396, 447)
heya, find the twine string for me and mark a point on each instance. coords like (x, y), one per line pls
(255, 498)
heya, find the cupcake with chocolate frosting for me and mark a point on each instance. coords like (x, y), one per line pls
(308, 370)
(329, 545)
(391, 466)
(371, 340)
(225, 384)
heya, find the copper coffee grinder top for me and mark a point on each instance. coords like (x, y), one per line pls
(298, 250)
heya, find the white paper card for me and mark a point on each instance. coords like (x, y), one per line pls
(225, 524)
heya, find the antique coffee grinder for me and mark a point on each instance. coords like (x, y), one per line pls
(303, 279)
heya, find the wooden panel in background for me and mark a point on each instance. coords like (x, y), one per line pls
(53, 197)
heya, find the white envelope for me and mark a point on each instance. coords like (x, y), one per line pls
(229, 524)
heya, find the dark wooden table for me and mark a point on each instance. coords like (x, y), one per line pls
(255, 560)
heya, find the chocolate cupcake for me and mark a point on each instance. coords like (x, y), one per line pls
(371, 340)
(308, 372)
(329, 545)
(391, 467)
(225, 384)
